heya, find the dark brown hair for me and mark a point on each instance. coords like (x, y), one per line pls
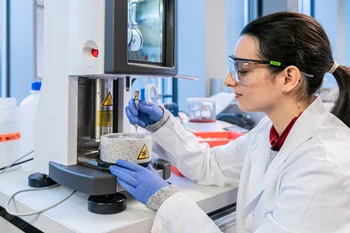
(299, 40)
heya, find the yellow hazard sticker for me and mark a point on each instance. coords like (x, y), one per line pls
(143, 153)
(108, 101)
(104, 118)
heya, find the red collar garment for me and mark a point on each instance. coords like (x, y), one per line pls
(277, 140)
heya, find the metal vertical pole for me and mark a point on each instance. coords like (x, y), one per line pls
(260, 8)
(175, 91)
(5, 51)
(246, 12)
(312, 8)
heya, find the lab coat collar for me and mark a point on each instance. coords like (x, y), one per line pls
(304, 128)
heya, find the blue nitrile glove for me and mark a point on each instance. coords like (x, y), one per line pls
(148, 113)
(140, 182)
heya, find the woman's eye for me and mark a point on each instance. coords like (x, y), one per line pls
(242, 72)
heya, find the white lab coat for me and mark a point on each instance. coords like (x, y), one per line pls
(305, 189)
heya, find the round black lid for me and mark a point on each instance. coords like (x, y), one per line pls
(40, 180)
(107, 204)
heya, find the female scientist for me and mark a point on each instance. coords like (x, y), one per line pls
(293, 168)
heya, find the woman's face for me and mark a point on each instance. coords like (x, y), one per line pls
(262, 92)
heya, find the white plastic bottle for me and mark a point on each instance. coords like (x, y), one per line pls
(9, 132)
(27, 111)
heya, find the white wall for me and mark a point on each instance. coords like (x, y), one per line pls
(272, 6)
(21, 46)
(1, 41)
(341, 32)
(215, 41)
(347, 31)
(191, 49)
(328, 16)
(234, 21)
(207, 33)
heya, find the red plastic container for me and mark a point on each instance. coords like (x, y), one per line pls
(213, 139)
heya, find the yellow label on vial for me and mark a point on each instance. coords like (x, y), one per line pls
(104, 118)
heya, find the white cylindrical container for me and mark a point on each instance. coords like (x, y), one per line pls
(135, 148)
(9, 132)
(27, 112)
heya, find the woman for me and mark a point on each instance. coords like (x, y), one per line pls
(293, 168)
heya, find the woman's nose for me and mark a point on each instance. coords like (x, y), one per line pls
(230, 81)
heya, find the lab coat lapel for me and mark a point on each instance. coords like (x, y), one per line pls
(304, 128)
(258, 164)
(258, 160)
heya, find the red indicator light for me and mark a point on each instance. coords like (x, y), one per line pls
(94, 52)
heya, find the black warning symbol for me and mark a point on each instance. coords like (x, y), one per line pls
(108, 101)
(143, 153)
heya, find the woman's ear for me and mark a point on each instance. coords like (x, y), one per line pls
(291, 78)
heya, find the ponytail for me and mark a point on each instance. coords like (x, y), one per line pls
(341, 107)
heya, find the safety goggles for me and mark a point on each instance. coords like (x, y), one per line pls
(242, 70)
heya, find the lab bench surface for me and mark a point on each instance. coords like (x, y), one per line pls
(73, 215)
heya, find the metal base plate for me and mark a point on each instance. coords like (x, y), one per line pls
(94, 179)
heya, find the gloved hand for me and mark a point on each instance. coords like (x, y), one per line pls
(148, 113)
(140, 182)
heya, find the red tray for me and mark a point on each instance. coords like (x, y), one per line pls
(213, 139)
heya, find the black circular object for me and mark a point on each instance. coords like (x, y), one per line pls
(40, 180)
(107, 204)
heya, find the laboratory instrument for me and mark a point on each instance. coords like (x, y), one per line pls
(88, 70)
